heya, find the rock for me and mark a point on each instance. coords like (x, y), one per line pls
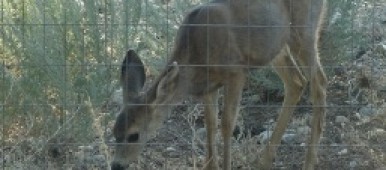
(380, 131)
(99, 159)
(357, 116)
(85, 148)
(170, 149)
(254, 99)
(303, 130)
(6, 159)
(201, 135)
(289, 138)
(343, 152)
(171, 152)
(341, 119)
(117, 97)
(264, 136)
(367, 110)
(353, 164)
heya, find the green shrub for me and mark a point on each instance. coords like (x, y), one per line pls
(56, 55)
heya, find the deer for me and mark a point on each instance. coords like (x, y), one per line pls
(215, 47)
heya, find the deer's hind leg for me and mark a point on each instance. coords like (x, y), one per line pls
(294, 83)
(308, 58)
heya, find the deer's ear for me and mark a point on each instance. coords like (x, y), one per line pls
(132, 76)
(167, 84)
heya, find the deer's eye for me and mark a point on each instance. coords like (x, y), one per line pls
(133, 138)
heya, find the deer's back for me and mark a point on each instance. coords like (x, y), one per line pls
(233, 35)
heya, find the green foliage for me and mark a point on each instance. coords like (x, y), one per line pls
(56, 55)
(348, 30)
(265, 79)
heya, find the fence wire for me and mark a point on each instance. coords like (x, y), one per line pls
(60, 91)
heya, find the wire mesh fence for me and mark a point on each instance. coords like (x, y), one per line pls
(60, 89)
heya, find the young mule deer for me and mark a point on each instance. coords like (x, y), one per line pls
(215, 47)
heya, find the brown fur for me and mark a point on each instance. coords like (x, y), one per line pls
(215, 47)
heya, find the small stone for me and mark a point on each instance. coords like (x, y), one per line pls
(99, 158)
(341, 119)
(172, 152)
(79, 155)
(343, 152)
(353, 164)
(288, 138)
(85, 148)
(380, 131)
(7, 158)
(264, 136)
(201, 134)
(170, 149)
(367, 110)
(334, 145)
(254, 98)
(357, 116)
(303, 130)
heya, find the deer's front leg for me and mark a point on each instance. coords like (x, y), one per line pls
(232, 95)
(211, 111)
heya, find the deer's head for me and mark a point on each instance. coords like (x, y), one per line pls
(141, 113)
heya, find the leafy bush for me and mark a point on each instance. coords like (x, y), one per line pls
(349, 29)
(56, 55)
